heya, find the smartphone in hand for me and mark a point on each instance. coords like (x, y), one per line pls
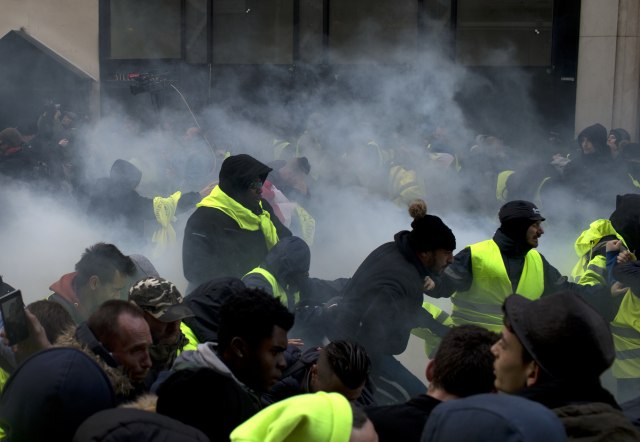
(16, 328)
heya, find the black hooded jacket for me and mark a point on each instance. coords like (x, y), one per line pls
(205, 302)
(214, 244)
(115, 199)
(288, 261)
(582, 174)
(383, 300)
(130, 424)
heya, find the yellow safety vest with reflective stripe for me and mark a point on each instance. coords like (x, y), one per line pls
(482, 303)
(431, 340)
(625, 328)
(278, 291)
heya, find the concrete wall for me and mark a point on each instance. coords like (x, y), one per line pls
(609, 65)
(68, 27)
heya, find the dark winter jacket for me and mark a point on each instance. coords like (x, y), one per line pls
(383, 300)
(115, 200)
(458, 276)
(580, 174)
(628, 274)
(130, 424)
(214, 244)
(588, 411)
(205, 302)
(492, 417)
(402, 421)
(51, 394)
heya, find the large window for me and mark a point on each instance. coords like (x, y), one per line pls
(383, 31)
(252, 31)
(196, 31)
(145, 29)
(504, 32)
(228, 32)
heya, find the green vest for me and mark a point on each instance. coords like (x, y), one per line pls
(278, 291)
(482, 304)
(625, 328)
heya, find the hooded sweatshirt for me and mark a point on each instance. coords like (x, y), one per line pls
(319, 417)
(206, 356)
(288, 262)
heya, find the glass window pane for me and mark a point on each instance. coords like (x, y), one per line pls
(504, 33)
(311, 14)
(196, 31)
(252, 31)
(383, 31)
(145, 29)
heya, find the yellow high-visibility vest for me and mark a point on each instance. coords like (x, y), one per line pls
(625, 328)
(482, 303)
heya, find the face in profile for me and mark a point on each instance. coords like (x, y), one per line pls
(534, 232)
(511, 371)
(436, 260)
(107, 290)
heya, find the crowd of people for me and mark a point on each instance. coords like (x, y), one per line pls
(257, 349)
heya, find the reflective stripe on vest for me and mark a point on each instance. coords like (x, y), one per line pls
(432, 340)
(482, 303)
(278, 292)
(625, 328)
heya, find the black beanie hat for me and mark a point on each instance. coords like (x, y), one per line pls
(565, 336)
(516, 217)
(518, 210)
(430, 233)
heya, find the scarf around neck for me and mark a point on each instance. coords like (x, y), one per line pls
(245, 218)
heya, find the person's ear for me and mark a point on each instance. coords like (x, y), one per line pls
(238, 347)
(430, 369)
(94, 282)
(533, 373)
